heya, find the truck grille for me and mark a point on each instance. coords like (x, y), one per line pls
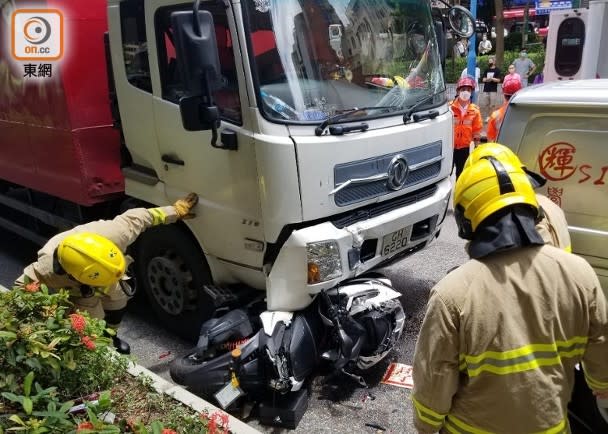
(376, 209)
(422, 161)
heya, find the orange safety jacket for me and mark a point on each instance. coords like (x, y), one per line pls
(467, 125)
(495, 122)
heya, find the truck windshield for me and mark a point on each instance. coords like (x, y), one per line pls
(318, 58)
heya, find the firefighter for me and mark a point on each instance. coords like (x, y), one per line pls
(89, 261)
(503, 332)
(509, 87)
(552, 226)
(467, 122)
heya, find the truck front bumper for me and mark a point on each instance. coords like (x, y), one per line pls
(361, 246)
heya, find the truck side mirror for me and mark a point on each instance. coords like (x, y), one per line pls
(196, 50)
(198, 61)
(461, 21)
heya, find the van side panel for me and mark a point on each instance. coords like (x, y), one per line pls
(569, 147)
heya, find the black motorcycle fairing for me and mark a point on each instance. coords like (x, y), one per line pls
(292, 352)
(306, 341)
(235, 324)
(378, 327)
(206, 377)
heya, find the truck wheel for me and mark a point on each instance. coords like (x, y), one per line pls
(172, 270)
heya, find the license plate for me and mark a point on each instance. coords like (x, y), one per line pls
(395, 241)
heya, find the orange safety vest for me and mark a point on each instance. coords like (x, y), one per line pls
(467, 125)
(495, 122)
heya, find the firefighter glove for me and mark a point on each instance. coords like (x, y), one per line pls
(183, 207)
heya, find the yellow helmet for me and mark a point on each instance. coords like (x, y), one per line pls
(485, 187)
(496, 150)
(91, 259)
(504, 155)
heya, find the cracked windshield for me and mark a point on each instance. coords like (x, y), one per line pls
(317, 58)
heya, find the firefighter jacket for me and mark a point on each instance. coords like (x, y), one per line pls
(467, 124)
(500, 340)
(123, 230)
(495, 122)
(553, 226)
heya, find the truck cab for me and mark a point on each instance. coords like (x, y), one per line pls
(285, 207)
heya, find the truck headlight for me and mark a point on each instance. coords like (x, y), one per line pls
(324, 261)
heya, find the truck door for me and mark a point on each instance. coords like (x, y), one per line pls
(226, 180)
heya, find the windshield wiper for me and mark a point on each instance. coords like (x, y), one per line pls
(408, 113)
(333, 119)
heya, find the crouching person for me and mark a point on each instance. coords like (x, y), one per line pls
(89, 261)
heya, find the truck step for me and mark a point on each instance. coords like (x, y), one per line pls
(220, 295)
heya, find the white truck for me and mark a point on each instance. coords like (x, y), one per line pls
(304, 179)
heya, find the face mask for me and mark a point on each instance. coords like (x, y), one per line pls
(523, 54)
(465, 95)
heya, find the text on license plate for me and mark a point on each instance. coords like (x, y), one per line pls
(395, 241)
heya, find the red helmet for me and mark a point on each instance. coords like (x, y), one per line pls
(511, 85)
(465, 81)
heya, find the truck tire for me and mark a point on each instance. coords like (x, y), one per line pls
(172, 271)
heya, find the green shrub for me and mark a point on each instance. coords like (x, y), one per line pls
(453, 70)
(52, 357)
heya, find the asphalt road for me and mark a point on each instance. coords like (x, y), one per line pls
(341, 406)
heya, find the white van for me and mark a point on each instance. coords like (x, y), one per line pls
(560, 130)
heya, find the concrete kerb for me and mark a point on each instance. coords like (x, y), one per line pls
(186, 398)
(189, 399)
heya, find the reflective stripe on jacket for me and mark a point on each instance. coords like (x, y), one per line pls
(495, 122)
(467, 125)
(500, 339)
(123, 230)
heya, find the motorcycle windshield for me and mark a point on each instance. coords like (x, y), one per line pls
(317, 58)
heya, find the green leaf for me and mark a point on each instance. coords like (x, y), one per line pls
(53, 343)
(12, 397)
(28, 405)
(66, 406)
(104, 401)
(7, 335)
(157, 427)
(54, 363)
(27, 383)
(92, 416)
(34, 363)
(17, 420)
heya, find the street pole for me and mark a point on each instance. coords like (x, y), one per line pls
(524, 32)
(472, 59)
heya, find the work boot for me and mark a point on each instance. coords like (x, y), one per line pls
(113, 319)
(121, 346)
